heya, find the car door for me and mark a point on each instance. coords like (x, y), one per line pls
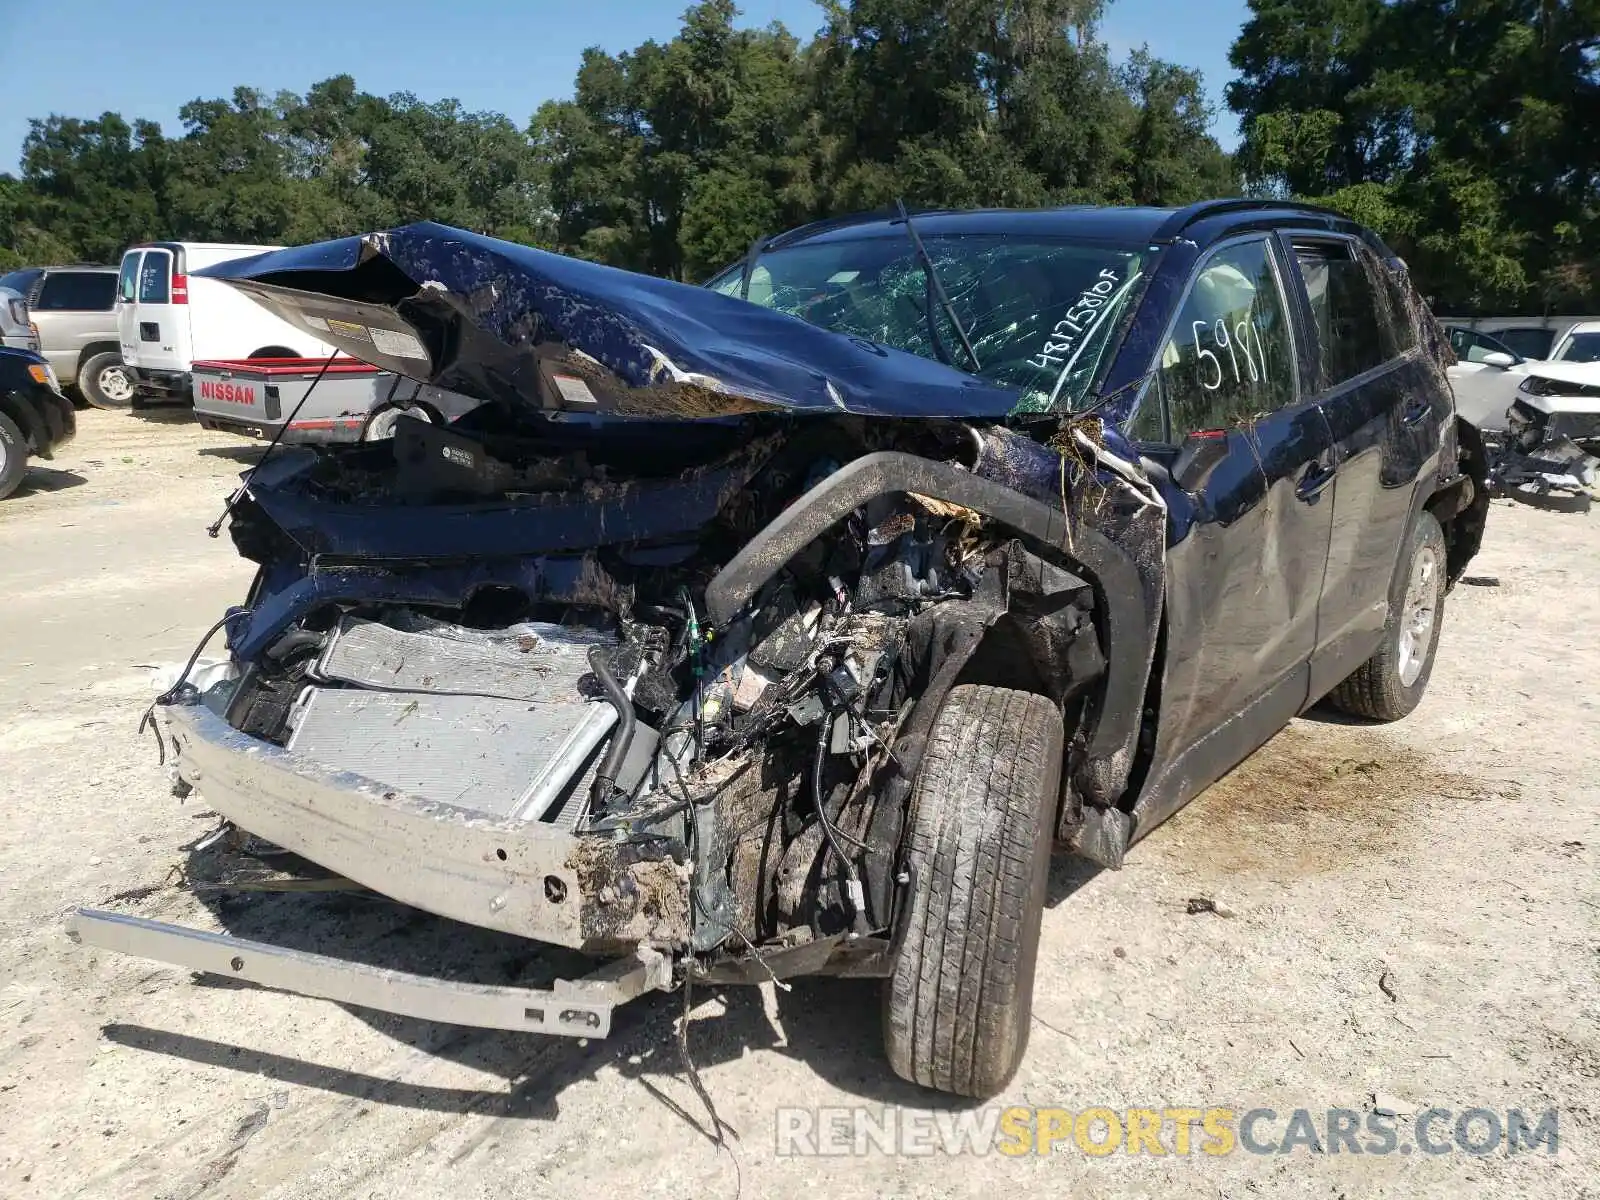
(1387, 412)
(1251, 461)
(1484, 378)
(128, 307)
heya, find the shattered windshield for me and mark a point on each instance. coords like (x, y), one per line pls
(1041, 313)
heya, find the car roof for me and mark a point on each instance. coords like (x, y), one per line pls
(1208, 219)
(102, 268)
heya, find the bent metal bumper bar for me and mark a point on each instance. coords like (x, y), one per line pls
(520, 877)
(573, 1008)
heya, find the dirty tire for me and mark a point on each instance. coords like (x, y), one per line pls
(956, 1010)
(1377, 689)
(100, 390)
(13, 456)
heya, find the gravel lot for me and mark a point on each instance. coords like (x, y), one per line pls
(1415, 913)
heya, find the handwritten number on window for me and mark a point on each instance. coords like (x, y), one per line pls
(1201, 354)
(1209, 370)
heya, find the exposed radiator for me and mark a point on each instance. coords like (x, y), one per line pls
(491, 721)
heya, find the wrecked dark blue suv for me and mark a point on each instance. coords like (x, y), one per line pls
(786, 625)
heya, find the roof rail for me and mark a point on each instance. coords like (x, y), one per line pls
(844, 220)
(1185, 217)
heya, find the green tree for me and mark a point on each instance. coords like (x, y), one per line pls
(1461, 131)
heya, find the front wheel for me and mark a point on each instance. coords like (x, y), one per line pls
(13, 456)
(105, 382)
(957, 1007)
(1390, 684)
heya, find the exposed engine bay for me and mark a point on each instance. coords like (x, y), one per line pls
(635, 637)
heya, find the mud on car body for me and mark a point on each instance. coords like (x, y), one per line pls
(787, 625)
(35, 418)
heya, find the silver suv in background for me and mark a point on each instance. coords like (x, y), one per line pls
(73, 310)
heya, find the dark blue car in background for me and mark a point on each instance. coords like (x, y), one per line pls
(785, 626)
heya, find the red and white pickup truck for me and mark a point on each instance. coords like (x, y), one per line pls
(352, 402)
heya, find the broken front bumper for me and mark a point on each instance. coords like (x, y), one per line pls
(574, 1008)
(527, 878)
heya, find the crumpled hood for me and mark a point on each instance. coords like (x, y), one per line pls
(534, 331)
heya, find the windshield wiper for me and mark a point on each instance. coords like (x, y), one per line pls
(936, 288)
(748, 268)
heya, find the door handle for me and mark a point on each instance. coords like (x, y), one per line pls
(1414, 411)
(1317, 476)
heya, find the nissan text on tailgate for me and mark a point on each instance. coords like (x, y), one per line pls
(790, 624)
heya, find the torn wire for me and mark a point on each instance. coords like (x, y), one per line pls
(213, 529)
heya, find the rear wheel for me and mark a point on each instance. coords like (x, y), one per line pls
(1390, 684)
(957, 1008)
(13, 456)
(273, 352)
(105, 382)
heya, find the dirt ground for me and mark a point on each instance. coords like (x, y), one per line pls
(1413, 913)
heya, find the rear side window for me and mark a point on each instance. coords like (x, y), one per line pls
(1230, 357)
(77, 291)
(1528, 342)
(153, 277)
(1346, 309)
(128, 280)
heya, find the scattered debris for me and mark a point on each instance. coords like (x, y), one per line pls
(1196, 905)
(1387, 985)
(1296, 1049)
(1537, 465)
(1481, 580)
(1385, 1104)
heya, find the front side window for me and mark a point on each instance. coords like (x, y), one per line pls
(1230, 357)
(1579, 347)
(128, 280)
(1474, 347)
(153, 277)
(1041, 314)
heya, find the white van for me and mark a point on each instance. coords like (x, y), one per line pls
(167, 318)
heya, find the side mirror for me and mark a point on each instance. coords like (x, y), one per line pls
(1199, 455)
(1499, 358)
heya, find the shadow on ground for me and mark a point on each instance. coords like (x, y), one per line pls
(47, 479)
(164, 414)
(831, 1025)
(245, 452)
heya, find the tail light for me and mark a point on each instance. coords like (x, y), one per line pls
(180, 288)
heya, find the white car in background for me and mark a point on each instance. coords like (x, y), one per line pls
(1540, 418)
(1489, 378)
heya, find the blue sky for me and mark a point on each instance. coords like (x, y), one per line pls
(148, 57)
